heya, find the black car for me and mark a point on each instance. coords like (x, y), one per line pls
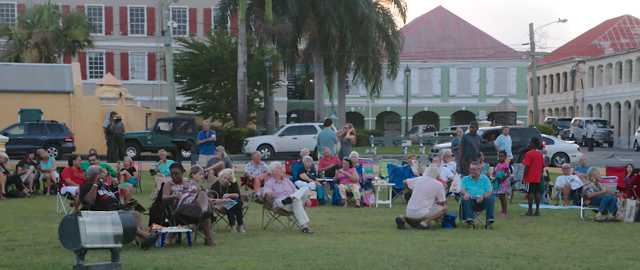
(520, 137)
(52, 136)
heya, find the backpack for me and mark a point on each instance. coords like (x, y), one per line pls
(449, 221)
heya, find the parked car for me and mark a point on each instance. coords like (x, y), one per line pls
(560, 152)
(159, 137)
(520, 137)
(454, 128)
(636, 141)
(603, 135)
(288, 139)
(561, 125)
(421, 130)
(51, 136)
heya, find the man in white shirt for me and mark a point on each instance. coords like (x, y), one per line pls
(448, 161)
(427, 202)
(591, 132)
(503, 142)
(568, 184)
(445, 172)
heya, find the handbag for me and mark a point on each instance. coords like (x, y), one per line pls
(367, 197)
(321, 194)
(627, 210)
(456, 185)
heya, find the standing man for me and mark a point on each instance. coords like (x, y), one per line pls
(108, 136)
(117, 128)
(591, 132)
(207, 142)
(469, 149)
(327, 138)
(533, 166)
(503, 142)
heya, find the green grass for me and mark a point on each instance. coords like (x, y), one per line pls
(344, 239)
(414, 149)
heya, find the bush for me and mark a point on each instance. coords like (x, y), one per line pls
(362, 136)
(548, 130)
(232, 138)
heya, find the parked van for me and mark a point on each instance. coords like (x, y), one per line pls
(603, 135)
(560, 125)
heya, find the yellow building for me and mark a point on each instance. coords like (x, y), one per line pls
(57, 91)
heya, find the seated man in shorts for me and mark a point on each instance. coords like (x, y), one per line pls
(427, 202)
(27, 169)
(568, 184)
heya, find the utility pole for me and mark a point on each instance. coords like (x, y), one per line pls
(573, 87)
(168, 56)
(534, 75)
(269, 99)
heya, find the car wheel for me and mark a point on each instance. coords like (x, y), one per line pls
(559, 159)
(266, 151)
(185, 153)
(53, 151)
(636, 147)
(132, 150)
(610, 144)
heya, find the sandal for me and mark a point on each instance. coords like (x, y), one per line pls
(472, 226)
(210, 242)
(307, 230)
(488, 227)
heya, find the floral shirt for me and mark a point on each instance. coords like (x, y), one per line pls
(262, 168)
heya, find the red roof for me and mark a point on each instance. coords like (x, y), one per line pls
(442, 35)
(613, 35)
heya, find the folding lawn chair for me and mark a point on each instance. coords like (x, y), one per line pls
(610, 182)
(516, 183)
(584, 207)
(367, 172)
(273, 214)
(477, 208)
(397, 174)
(62, 201)
(384, 173)
(221, 215)
(168, 218)
(138, 166)
(620, 171)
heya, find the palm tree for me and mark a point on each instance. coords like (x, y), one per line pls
(242, 67)
(43, 34)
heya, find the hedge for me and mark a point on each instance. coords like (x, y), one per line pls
(548, 130)
(232, 138)
(362, 136)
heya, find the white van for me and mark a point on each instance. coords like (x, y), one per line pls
(603, 135)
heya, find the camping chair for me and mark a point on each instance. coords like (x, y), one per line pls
(584, 207)
(168, 217)
(366, 176)
(273, 214)
(516, 183)
(477, 208)
(384, 173)
(138, 166)
(219, 215)
(397, 174)
(62, 201)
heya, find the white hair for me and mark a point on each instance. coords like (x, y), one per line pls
(221, 149)
(304, 149)
(206, 122)
(93, 170)
(307, 158)
(433, 171)
(272, 166)
(228, 172)
(354, 153)
(5, 156)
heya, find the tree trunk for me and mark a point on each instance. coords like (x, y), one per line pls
(242, 68)
(342, 97)
(318, 83)
(271, 112)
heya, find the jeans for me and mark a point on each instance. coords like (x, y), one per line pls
(235, 213)
(603, 200)
(468, 205)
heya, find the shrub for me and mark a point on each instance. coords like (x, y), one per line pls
(362, 136)
(548, 130)
(232, 138)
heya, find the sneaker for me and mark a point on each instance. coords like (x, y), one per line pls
(502, 215)
(400, 223)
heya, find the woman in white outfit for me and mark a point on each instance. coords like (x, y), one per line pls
(306, 176)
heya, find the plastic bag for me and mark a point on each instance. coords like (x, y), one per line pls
(456, 185)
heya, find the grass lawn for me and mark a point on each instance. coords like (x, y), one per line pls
(414, 149)
(350, 238)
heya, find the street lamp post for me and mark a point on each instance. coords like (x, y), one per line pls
(407, 75)
(267, 64)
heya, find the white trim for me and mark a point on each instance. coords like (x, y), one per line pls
(125, 82)
(403, 118)
(472, 64)
(280, 99)
(171, 19)
(389, 101)
(146, 66)
(15, 19)
(104, 61)
(129, 20)
(178, 98)
(135, 44)
(445, 117)
(282, 116)
(104, 25)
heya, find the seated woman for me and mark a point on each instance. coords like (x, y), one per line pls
(285, 195)
(7, 178)
(72, 177)
(415, 165)
(627, 186)
(47, 167)
(306, 176)
(190, 201)
(127, 174)
(348, 180)
(255, 171)
(598, 195)
(227, 190)
(162, 168)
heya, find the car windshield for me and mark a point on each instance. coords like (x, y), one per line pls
(413, 130)
(601, 123)
(563, 123)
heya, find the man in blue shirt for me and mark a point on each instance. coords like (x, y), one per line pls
(327, 138)
(476, 189)
(207, 142)
(581, 171)
(503, 142)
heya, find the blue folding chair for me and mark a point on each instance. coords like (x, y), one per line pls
(397, 174)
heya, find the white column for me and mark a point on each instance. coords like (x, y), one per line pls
(614, 121)
(624, 128)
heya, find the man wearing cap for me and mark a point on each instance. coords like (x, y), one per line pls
(117, 128)
(108, 135)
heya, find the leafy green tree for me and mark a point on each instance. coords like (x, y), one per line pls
(207, 69)
(43, 34)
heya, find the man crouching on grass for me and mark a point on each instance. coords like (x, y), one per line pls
(533, 166)
(427, 201)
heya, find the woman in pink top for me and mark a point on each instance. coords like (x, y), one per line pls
(349, 181)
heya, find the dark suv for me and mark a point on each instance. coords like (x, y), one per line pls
(52, 136)
(520, 137)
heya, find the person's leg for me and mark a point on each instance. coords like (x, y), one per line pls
(298, 206)
(613, 205)
(489, 208)
(110, 149)
(537, 197)
(49, 180)
(604, 202)
(503, 203)
(203, 203)
(30, 180)
(256, 183)
(441, 211)
(355, 189)
(342, 189)
(467, 210)
(566, 190)
(128, 193)
(3, 183)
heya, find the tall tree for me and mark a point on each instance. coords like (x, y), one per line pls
(43, 34)
(242, 67)
(206, 71)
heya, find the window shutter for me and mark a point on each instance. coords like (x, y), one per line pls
(21, 8)
(453, 81)
(436, 81)
(82, 59)
(66, 9)
(109, 62)
(151, 21)
(475, 82)
(151, 61)
(124, 65)
(233, 23)
(513, 81)
(400, 84)
(80, 8)
(490, 81)
(66, 58)
(108, 20)
(193, 21)
(415, 82)
(206, 21)
(124, 21)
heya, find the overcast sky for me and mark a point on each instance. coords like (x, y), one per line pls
(508, 20)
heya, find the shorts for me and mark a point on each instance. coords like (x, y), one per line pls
(43, 176)
(71, 190)
(435, 209)
(25, 176)
(532, 187)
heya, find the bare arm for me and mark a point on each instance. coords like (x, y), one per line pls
(70, 183)
(497, 148)
(90, 198)
(404, 182)
(526, 170)
(54, 166)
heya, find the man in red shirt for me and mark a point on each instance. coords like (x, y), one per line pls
(73, 176)
(533, 166)
(328, 163)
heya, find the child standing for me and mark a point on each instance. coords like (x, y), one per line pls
(501, 183)
(534, 164)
